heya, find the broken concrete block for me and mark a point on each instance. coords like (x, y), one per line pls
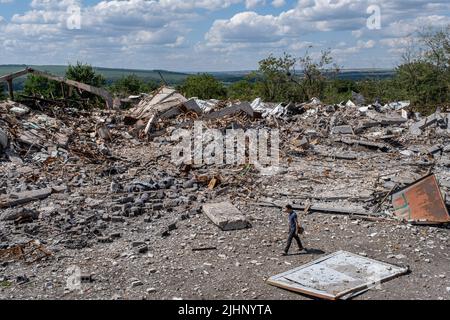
(105, 240)
(142, 249)
(416, 128)
(368, 144)
(117, 219)
(244, 106)
(136, 244)
(302, 143)
(342, 130)
(86, 278)
(226, 216)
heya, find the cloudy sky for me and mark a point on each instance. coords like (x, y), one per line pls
(210, 35)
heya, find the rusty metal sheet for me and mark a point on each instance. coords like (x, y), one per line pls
(339, 276)
(421, 202)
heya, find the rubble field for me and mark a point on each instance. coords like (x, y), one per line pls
(92, 207)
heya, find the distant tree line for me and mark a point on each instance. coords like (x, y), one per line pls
(423, 77)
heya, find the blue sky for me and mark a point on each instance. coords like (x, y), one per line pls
(211, 35)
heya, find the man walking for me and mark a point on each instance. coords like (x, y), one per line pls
(293, 230)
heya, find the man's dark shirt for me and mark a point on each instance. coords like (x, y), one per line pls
(293, 221)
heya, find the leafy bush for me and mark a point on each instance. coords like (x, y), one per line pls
(132, 85)
(243, 90)
(203, 86)
(38, 86)
(85, 73)
(274, 78)
(314, 81)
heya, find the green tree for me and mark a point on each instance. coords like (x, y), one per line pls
(425, 71)
(314, 80)
(132, 85)
(244, 90)
(38, 86)
(275, 78)
(85, 73)
(203, 86)
(337, 90)
(424, 83)
(384, 91)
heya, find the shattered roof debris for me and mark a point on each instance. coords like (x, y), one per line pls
(341, 275)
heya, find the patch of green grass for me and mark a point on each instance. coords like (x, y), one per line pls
(5, 284)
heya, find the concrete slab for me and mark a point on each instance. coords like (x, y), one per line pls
(343, 130)
(226, 216)
(416, 128)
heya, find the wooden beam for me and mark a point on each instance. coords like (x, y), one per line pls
(10, 88)
(82, 86)
(94, 90)
(14, 75)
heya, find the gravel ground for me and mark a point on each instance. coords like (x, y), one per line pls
(239, 266)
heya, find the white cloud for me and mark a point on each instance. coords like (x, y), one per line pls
(278, 3)
(252, 4)
(164, 33)
(399, 19)
(246, 27)
(197, 4)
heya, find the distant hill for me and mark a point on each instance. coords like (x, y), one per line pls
(175, 78)
(111, 75)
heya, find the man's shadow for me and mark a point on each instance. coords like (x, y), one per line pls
(308, 252)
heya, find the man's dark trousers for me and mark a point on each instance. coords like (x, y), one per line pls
(293, 235)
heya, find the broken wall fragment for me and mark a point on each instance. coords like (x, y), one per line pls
(226, 216)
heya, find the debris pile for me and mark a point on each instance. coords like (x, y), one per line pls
(100, 187)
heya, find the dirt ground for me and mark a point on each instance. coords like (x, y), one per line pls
(241, 261)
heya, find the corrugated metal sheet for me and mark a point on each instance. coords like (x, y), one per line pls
(340, 275)
(421, 202)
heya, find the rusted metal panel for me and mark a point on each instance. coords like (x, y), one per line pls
(421, 202)
(341, 275)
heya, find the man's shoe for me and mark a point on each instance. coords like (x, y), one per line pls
(302, 250)
(284, 254)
